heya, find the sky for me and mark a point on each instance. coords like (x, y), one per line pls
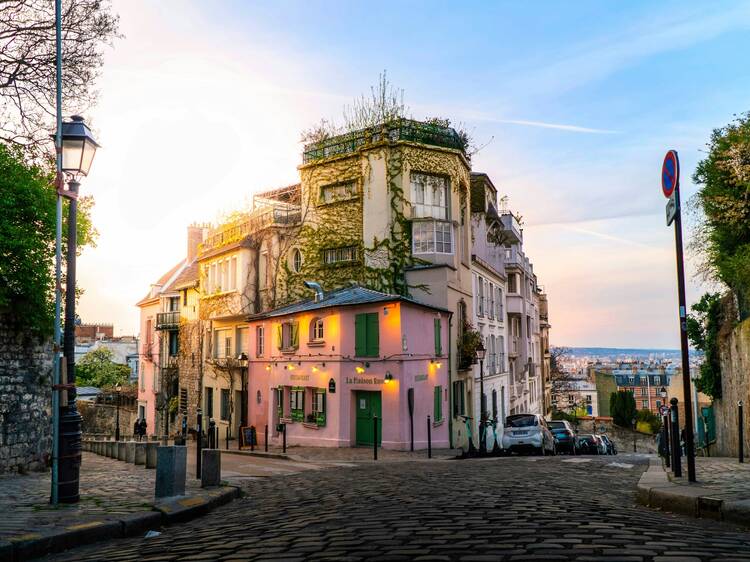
(201, 104)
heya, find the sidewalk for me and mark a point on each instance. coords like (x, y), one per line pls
(722, 490)
(117, 499)
(333, 455)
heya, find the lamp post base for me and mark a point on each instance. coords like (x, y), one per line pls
(69, 455)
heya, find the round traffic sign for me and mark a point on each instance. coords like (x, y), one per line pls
(670, 173)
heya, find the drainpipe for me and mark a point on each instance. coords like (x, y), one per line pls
(450, 382)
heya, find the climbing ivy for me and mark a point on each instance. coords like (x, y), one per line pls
(704, 325)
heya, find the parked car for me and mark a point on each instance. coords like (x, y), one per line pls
(588, 445)
(564, 434)
(525, 433)
(602, 446)
(610, 445)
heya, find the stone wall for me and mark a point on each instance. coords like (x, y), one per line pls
(25, 401)
(102, 418)
(622, 437)
(735, 386)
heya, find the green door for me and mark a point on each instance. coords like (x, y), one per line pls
(368, 406)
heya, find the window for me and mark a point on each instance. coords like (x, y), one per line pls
(340, 255)
(644, 380)
(263, 270)
(297, 404)
(259, 341)
(366, 335)
(631, 380)
(319, 406)
(438, 404)
(643, 392)
(242, 337)
(224, 276)
(288, 336)
(429, 196)
(499, 304)
(279, 393)
(432, 237)
(501, 354)
(459, 406)
(491, 307)
(316, 330)
(338, 192)
(644, 404)
(438, 337)
(222, 343)
(480, 299)
(225, 404)
(174, 343)
(657, 379)
(494, 404)
(296, 260)
(209, 403)
(183, 400)
(512, 283)
(233, 274)
(174, 304)
(658, 404)
(184, 297)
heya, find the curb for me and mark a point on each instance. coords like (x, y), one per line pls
(35, 544)
(655, 489)
(263, 454)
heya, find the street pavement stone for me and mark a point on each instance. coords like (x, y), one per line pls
(503, 509)
(729, 477)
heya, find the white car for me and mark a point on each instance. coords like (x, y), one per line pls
(528, 433)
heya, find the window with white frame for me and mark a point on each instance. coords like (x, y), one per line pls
(316, 330)
(340, 255)
(491, 308)
(480, 296)
(296, 260)
(501, 353)
(233, 274)
(222, 343)
(338, 192)
(429, 196)
(224, 275)
(644, 404)
(242, 335)
(512, 283)
(259, 341)
(432, 237)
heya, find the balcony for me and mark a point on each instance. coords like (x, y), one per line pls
(511, 227)
(401, 130)
(514, 304)
(256, 221)
(514, 258)
(168, 362)
(168, 320)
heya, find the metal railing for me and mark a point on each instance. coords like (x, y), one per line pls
(255, 222)
(401, 130)
(167, 320)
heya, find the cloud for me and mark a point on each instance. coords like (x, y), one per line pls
(558, 126)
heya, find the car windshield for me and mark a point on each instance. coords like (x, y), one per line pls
(521, 420)
(556, 425)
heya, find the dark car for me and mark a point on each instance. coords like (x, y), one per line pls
(611, 447)
(564, 434)
(588, 445)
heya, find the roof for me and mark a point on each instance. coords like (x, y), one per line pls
(348, 296)
(163, 280)
(187, 277)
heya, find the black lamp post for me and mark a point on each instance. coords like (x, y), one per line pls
(242, 361)
(78, 149)
(634, 435)
(118, 390)
(482, 415)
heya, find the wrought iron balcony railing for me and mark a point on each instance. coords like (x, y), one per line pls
(167, 320)
(255, 222)
(401, 130)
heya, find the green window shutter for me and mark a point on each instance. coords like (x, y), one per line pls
(438, 342)
(279, 336)
(295, 335)
(373, 335)
(360, 335)
(438, 410)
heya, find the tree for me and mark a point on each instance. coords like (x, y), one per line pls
(28, 64)
(722, 236)
(650, 420)
(96, 368)
(622, 407)
(704, 325)
(27, 241)
(561, 381)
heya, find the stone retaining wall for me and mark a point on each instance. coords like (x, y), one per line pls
(25, 401)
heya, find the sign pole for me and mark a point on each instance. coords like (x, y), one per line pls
(671, 183)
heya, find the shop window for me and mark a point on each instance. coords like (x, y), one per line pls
(319, 407)
(225, 404)
(297, 404)
(366, 335)
(438, 403)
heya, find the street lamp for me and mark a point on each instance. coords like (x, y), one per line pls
(480, 351)
(663, 393)
(634, 435)
(118, 390)
(75, 147)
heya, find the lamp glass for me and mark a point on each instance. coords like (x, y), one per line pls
(89, 149)
(480, 352)
(72, 151)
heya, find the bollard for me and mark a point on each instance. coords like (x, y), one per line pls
(140, 454)
(665, 439)
(284, 438)
(120, 450)
(211, 472)
(211, 434)
(740, 432)
(253, 438)
(676, 449)
(429, 438)
(171, 463)
(151, 458)
(375, 437)
(130, 452)
(199, 444)
(265, 440)
(239, 441)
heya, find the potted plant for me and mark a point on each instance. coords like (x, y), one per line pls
(467, 347)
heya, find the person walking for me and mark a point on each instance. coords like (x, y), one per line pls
(137, 430)
(143, 428)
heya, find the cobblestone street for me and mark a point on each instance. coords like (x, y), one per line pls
(521, 508)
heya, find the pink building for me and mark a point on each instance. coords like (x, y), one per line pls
(328, 366)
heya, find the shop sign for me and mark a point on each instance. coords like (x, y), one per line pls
(300, 377)
(420, 378)
(363, 380)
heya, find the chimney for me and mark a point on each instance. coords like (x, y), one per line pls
(195, 236)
